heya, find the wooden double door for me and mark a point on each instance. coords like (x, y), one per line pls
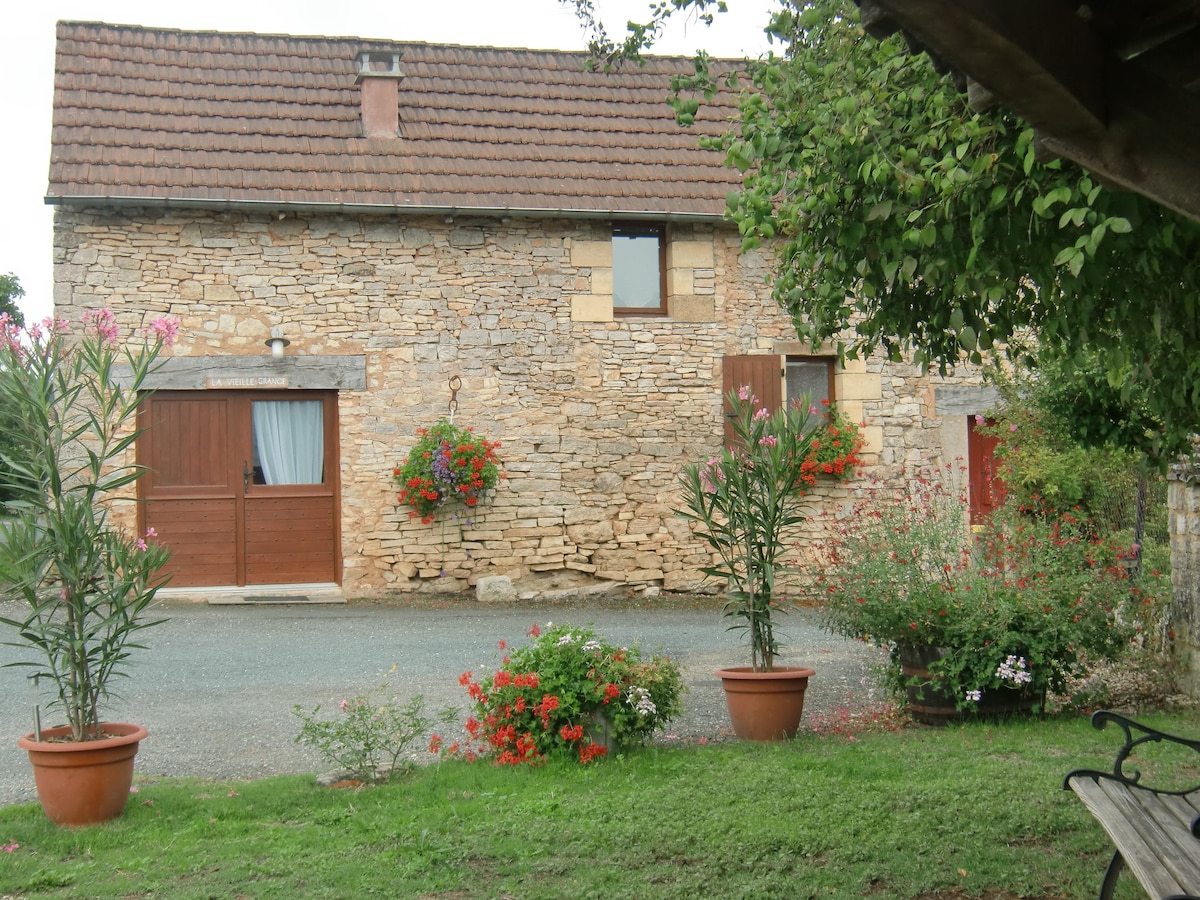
(242, 486)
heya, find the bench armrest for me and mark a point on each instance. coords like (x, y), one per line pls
(1136, 735)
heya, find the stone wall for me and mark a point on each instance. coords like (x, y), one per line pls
(596, 413)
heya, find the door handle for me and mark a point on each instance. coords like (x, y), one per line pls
(245, 475)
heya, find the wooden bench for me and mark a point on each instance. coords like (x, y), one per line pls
(1156, 832)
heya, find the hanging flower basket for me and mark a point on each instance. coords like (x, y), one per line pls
(448, 465)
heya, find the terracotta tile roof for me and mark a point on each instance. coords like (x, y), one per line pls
(210, 118)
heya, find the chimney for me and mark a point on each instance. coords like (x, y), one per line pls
(379, 80)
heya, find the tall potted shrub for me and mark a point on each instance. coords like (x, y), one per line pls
(742, 503)
(85, 584)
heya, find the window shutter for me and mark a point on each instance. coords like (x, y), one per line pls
(764, 375)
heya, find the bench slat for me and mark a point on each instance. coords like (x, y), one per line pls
(1193, 800)
(1180, 809)
(1180, 852)
(1184, 808)
(1114, 813)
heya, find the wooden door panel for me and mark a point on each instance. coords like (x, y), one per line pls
(289, 568)
(986, 488)
(202, 535)
(289, 540)
(187, 444)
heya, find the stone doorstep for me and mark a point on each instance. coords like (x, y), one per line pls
(267, 594)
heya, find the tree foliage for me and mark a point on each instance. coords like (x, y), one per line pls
(606, 53)
(1052, 466)
(905, 220)
(10, 292)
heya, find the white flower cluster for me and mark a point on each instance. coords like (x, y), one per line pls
(1013, 669)
(639, 699)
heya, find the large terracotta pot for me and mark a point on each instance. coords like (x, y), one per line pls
(930, 703)
(765, 706)
(84, 782)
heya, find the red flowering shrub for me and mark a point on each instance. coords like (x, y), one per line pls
(834, 446)
(568, 692)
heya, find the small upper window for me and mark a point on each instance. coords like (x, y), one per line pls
(639, 270)
(809, 377)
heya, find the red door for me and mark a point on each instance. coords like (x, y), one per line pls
(242, 486)
(986, 489)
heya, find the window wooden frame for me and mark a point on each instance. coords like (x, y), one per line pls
(643, 230)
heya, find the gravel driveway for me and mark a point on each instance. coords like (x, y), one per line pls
(217, 686)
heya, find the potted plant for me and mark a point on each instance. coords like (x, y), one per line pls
(742, 503)
(85, 583)
(985, 624)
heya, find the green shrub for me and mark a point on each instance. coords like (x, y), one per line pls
(371, 734)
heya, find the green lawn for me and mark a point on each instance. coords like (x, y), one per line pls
(968, 811)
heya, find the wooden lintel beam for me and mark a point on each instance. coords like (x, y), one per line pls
(1149, 146)
(1166, 180)
(1039, 59)
(1041, 151)
(1154, 130)
(875, 20)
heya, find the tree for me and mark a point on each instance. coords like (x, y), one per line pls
(905, 220)
(10, 292)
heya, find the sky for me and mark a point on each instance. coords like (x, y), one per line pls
(27, 70)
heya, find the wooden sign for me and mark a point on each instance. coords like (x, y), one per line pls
(252, 382)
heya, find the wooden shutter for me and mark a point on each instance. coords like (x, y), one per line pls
(762, 373)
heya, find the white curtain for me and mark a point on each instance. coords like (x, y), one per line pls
(289, 437)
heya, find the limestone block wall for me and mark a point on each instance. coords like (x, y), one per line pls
(596, 413)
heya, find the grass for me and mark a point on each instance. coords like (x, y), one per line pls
(967, 811)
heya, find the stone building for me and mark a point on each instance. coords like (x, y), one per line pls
(404, 219)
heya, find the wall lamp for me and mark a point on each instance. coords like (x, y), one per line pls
(277, 341)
